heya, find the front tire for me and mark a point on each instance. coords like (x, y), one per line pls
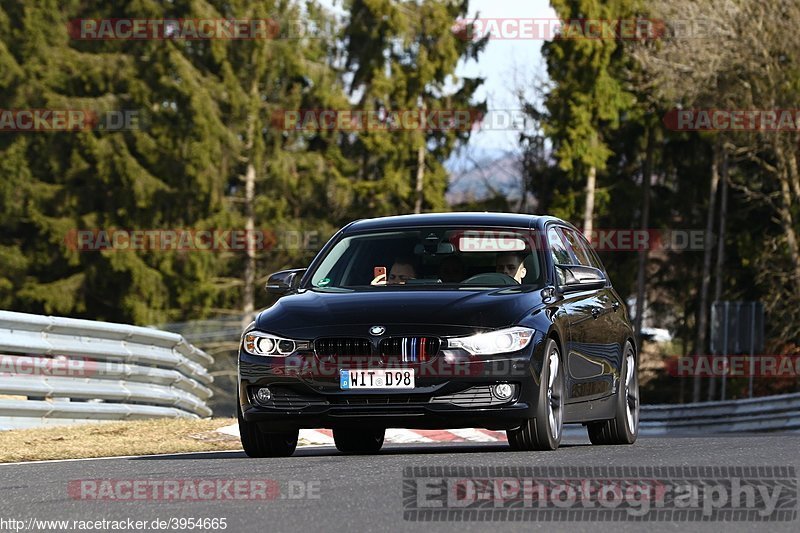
(256, 443)
(624, 427)
(358, 441)
(543, 432)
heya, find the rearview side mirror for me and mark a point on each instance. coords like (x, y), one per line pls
(581, 278)
(283, 282)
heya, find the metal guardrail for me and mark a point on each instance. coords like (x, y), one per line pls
(768, 413)
(63, 370)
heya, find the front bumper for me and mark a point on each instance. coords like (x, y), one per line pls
(312, 399)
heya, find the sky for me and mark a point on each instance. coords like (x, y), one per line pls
(506, 64)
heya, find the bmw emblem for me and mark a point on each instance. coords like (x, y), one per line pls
(377, 330)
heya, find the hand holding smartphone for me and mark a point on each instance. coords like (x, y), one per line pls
(379, 276)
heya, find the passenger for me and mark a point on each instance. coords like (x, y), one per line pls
(402, 270)
(511, 264)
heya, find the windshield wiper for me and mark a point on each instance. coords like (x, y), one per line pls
(331, 289)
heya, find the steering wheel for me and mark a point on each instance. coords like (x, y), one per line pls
(490, 278)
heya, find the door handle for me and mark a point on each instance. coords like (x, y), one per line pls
(597, 311)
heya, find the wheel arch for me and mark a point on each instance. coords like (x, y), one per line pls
(631, 340)
(556, 336)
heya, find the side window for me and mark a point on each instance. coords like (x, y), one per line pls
(576, 242)
(558, 251)
(593, 257)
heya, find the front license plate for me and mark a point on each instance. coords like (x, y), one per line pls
(376, 379)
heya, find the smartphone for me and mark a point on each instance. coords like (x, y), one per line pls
(379, 271)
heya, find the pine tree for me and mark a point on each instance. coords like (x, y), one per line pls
(166, 174)
(402, 56)
(587, 97)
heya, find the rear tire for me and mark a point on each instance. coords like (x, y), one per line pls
(543, 432)
(256, 443)
(359, 441)
(624, 427)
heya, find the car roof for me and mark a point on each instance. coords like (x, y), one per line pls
(513, 220)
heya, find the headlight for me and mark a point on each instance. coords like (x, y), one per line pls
(493, 342)
(258, 343)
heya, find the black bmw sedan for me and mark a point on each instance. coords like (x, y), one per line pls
(498, 321)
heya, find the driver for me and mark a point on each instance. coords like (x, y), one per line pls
(511, 264)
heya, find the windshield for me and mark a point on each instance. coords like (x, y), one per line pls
(431, 258)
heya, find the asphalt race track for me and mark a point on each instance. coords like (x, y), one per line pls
(365, 493)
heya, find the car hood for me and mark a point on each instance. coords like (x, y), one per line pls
(456, 311)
